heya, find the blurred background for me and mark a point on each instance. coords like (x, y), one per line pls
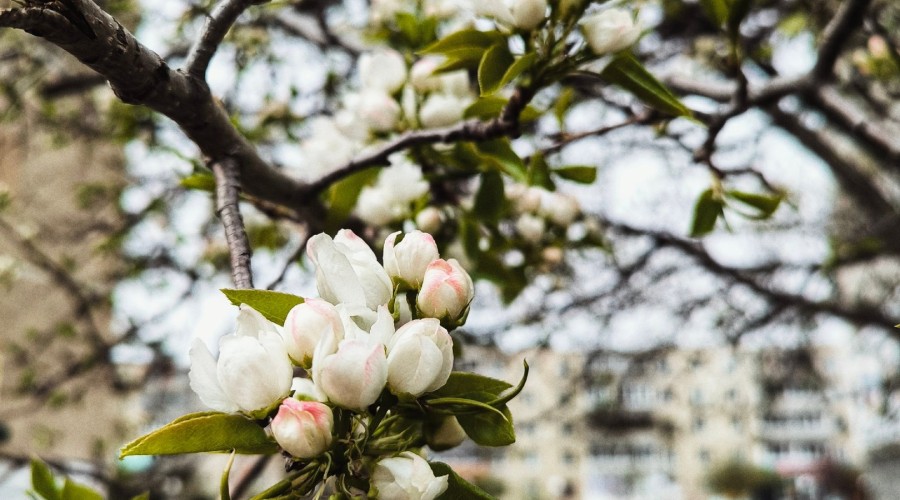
(758, 362)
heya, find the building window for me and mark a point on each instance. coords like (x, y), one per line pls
(567, 428)
(699, 423)
(731, 395)
(568, 457)
(697, 396)
(736, 423)
(704, 456)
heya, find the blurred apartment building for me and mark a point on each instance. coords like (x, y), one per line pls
(610, 426)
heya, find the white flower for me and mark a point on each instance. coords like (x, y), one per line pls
(393, 193)
(420, 357)
(446, 291)
(383, 10)
(525, 199)
(347, 270)
(327, 148)
(384, 70)
(429, 219)
(530, 227)
(406, 261)
(423, 79)
(306, 324)
(610, 30)
(407, 477)
(528, 14)
(442, 110)
(562, 209)
(306, 390)
(379, 111)
(303, 428)
(253, 370)
(354, 376)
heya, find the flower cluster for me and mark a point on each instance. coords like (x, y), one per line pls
(536, 208)
(378, 336)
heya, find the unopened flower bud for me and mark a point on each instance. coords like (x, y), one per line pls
(561, 209)
(446, 292)
(530, 228)
(354, 376)
(528, 14)
(305, 326)
(429, 219)
(611, 30)
(407, 261)
(420, 357)
(407, 477)
(441, 110)
(379, 111)
(303, 428)
(383, 70)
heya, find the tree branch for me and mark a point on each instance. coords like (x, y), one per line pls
(217, 25)
(227, 208)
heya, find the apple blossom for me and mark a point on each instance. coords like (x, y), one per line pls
(393, 194)
(378, 110)
(253, 370)
(429, 219)
(528, 14)
(442, 110)
(347, 270)
(406, 261)
(303, 428)
(446, 292)
(384, 70)
(420, 357)
(610, 30)
(407, 477)
(306, 324)
(562, 209)
(354, 376)
(305, 389)
(530, 227)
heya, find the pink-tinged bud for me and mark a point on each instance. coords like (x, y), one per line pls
(446, 292)
(303, 428)
(306, 324)
(611, 30)
(407, 477)
(420, 357)
(407, 261)
(354, 376)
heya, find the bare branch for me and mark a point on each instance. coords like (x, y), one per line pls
(227, 208)
(217, 25)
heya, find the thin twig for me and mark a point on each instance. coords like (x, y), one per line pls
(227, 192)
(246, 479)
(290, 261)
(217, 25)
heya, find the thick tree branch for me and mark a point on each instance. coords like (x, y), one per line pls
(138, 75)
(227, 208)
(470, 130)
(217, 25)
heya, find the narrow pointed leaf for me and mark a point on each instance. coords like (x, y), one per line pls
(488, 107)
(494, 64)
(204, 432)
(766, 205)
(706, 212)
(578, 173)
(42, 480)
(74, 491)
(489, 200)
(464, 39)
(275, 306)
(457, 487)
(628, 73)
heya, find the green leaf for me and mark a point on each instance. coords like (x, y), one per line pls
(563, 103)
(489, 428)
(578, 173)
(737, 11)
(42, 480)
(342, 196)
(628, 73)
(201, 181)
(464, 39)
(507, 395)
(457, 487)
(74, 491)
(539, 172)
(471, 385)
(494, 65)
(500, 155)
(467, 58)
(275, 306)
(224, 493)
(204, 432)
(706, 212)
(490, 201)
(143, 496)
(765, 205)
(717, 10)
(521, 65)
(488, 107)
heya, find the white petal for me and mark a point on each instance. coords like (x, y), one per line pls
(335, 277)
(204, 381)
